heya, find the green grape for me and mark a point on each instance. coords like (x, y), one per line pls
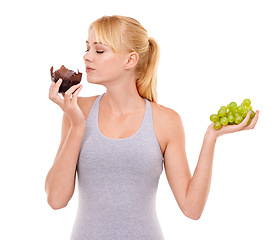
(249, 108)
(222, 113)
(252, 114)
(230, 118)
(246, 102)
(232, 112)
(224, 121)
(238, 119)
(249, 121)
(224, 107)
(217, 125)
(237, 114)
(214, 118)
(244, 114)
(232, 106)
(240, 109)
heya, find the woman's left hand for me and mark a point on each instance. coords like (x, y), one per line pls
(235, 128)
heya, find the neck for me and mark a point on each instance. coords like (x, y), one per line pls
(122, 98)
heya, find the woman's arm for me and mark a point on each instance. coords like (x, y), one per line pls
(191, 192)
(199, 185)
(60, 180)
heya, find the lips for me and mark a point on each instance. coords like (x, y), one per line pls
(89, 69)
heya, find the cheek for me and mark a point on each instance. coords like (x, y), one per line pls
(112, 65)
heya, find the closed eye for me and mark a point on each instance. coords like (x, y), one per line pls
(96, 51)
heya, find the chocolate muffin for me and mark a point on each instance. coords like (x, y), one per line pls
(69, 78)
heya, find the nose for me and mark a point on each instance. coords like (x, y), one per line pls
(88, 56)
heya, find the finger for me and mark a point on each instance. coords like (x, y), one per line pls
(57, 84)
(57, 99)
(53, 90)
(75, 94)
(52, 85)
(50, 89)
(253, 122)
(244, 122)
(69, 92)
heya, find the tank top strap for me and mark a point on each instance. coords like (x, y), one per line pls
(95, 107)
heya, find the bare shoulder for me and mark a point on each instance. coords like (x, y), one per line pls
(167, 122)
(167, 115)
(86, 103)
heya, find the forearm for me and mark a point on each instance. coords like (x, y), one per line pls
(199, 185)
(60, 180)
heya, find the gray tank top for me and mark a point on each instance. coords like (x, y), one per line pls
(117, 183)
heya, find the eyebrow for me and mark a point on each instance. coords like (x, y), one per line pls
(96, 43)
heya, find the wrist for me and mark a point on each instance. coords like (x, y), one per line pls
(211, 134)
(80, 127)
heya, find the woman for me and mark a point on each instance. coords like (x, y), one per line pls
(117, 142)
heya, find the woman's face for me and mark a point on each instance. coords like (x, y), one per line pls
(102, 64)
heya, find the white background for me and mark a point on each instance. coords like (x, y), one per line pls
(212, 53)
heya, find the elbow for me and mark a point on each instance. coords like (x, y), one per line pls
(193, 209)
(54, 204)
(194, 215)
(54, 200)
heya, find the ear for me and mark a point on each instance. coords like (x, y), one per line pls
(131, 60)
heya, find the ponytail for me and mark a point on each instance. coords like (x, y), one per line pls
(147, 82)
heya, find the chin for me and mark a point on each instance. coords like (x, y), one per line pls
(93, 80)
(96, 81)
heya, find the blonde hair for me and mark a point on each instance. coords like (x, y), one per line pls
(125, 34)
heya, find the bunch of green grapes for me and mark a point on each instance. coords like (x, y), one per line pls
(232, 114)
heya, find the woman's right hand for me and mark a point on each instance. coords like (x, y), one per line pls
(68, 105)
